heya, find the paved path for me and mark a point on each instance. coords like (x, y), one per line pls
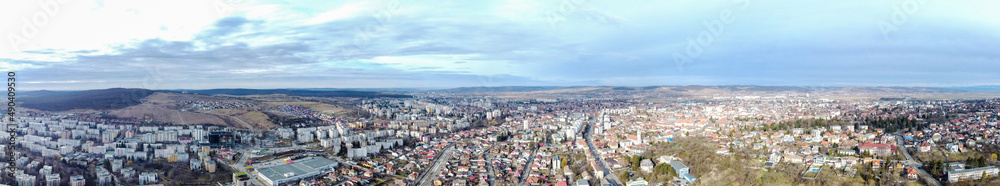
(181, 117)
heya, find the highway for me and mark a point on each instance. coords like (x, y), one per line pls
(909, 160)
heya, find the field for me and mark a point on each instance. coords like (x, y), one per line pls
(321, 107)
(256, 119)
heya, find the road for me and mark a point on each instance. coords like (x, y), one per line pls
(241, 166)
(242, 122)
(597, 156)
(436, 168)
(909, 160)
(527, 167)
(489, 167)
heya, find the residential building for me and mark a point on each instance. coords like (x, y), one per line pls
(77, 180)
(971, 174)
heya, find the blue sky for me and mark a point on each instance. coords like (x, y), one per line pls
(199, 44)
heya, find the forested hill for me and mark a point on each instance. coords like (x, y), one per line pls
(105, 99)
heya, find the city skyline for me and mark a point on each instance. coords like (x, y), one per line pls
(423, 44)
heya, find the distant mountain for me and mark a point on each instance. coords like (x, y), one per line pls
(294, 92)
(508, 89)
(991, 88)
(702, 89)
(365, 89)
(105, 99)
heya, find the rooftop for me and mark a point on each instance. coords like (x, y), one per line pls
(300, 167)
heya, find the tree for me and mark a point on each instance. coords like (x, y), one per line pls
(563, 161)
(993, 158)
(343, 150)
(665, 170)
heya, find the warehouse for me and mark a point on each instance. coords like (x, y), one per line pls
(300, 169)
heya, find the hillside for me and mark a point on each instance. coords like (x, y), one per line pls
(292, 92)
(163, 107)
(106, 99)
(508, 89)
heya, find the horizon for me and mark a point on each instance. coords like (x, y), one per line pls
(266, 44)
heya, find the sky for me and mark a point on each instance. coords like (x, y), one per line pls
(203, 44)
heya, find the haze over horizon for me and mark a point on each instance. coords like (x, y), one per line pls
(196, 44)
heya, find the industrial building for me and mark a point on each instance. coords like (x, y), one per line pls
(300, 169)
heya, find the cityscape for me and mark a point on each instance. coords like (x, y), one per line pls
(446, 93)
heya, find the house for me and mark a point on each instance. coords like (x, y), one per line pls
(646, 165)
(775, 157)
(925, 146)
(954, 147)
(911, 173)
(613, 163)
(847, 152)
(791, 158)
(561, 183)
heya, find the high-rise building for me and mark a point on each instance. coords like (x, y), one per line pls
(147, 178)
(25, 179)
(77, 180)
(103, 177)
(46, 170)
(52, 180)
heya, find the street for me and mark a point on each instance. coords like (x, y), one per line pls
(489, 167)
(593, 150)
(527, 167)
(915, 164)
(436, 168)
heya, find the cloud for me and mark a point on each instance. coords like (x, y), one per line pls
(454, 43)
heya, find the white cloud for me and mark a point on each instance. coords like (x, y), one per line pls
(528, 42)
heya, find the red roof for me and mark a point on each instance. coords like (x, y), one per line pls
(873, 145)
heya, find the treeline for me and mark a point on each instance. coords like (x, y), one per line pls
(661, 172)
(891, 125)
(306, 93)
(805, 123)
(976, 162)
(936, 167)
(503, 136)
